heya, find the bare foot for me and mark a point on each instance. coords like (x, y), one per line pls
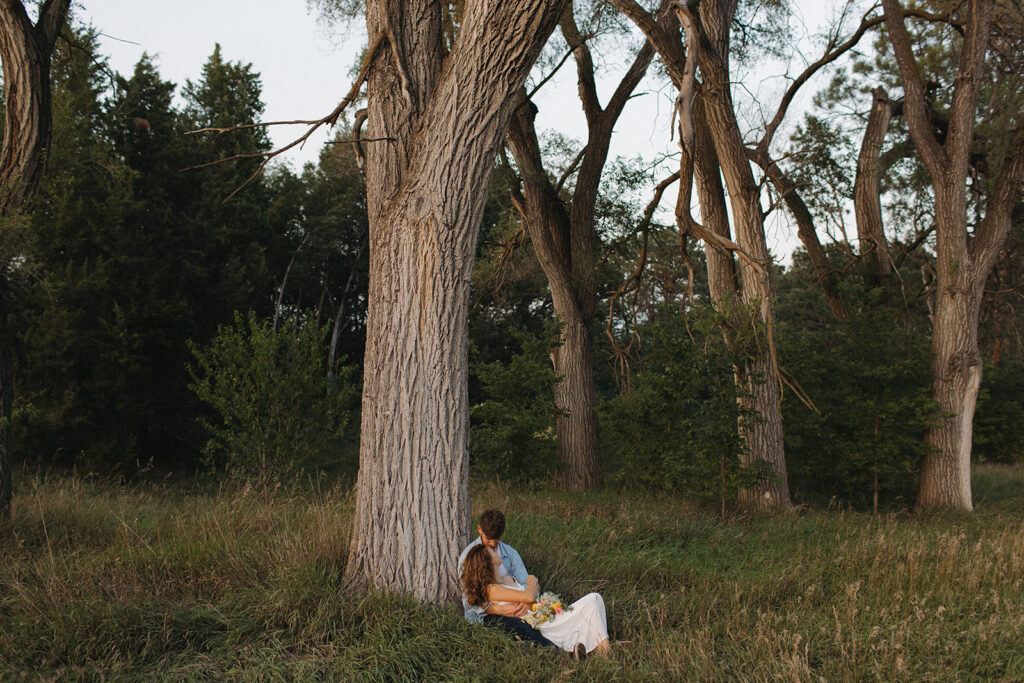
(603, 648)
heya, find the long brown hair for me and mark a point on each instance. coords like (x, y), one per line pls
(477, 575)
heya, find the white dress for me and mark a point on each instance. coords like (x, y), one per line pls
(586, 622)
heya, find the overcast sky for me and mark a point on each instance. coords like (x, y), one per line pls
(305, 69)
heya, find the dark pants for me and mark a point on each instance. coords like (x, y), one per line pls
(518, 628)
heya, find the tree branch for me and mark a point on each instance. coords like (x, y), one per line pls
(915, 107)
(961, 110)
(51, 17)
(991, 233)
(584, 65)
(832, 53)
(331, 119)
(662, 35)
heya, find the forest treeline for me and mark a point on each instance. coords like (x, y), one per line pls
(158, 327)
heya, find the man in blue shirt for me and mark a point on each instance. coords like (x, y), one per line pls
(491, 527)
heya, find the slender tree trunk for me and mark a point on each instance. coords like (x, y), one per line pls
(762, 435)
(575, 398)
(722, 276)
(25, 51)
(867, 191)
(550, 227)
(445, 112)
(566, 241)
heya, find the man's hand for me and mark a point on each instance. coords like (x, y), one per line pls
(509, 609)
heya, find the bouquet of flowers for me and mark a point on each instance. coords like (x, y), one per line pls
(545, 608)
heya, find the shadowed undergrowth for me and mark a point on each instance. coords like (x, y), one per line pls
(98, 580)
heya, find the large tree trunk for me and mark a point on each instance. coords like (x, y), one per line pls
(25, 50)
(763, 435)
(956, 379)
(963, 263)
(445, 113)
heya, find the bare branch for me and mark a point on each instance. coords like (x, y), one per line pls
(571, 169)
(832, 53)
(554, 71)
(330, 120)
(635, 277)
(791, 382)
(914, 244)
(243, 126)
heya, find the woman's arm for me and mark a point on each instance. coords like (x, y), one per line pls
(498, 593)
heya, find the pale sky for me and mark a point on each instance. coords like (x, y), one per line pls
(305, 69)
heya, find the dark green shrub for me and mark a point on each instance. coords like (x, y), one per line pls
(277, 406)
(999, 418)
(675, 426)
(869, 379)
(512, 429)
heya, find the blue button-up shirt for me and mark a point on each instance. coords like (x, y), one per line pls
(511, 564)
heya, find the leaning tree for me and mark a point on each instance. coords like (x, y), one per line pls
(25, 50)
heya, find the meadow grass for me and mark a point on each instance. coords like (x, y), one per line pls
(101, 581)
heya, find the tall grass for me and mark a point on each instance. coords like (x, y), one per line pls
(103, 581)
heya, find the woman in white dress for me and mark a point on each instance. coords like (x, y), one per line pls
(580, 628)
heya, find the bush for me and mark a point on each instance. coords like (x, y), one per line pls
(870, 381)
(278, 407)
(512, 429)
(999, 418)
(675, 427)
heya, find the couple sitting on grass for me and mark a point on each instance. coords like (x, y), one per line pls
(497, 591)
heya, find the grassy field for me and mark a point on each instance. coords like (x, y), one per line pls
(99, 581)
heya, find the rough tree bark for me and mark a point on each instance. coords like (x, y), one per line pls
(763, 437)
(963, 263)
(867, 191)
(565, 241)
(445, 112)
(25, 50)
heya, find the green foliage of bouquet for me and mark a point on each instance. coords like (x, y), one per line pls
(547, 606)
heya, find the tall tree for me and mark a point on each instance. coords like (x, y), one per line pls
(713, 148)
(565, 240)
(439, 113)
(964, 261)
(708, 34)
(25, 51)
